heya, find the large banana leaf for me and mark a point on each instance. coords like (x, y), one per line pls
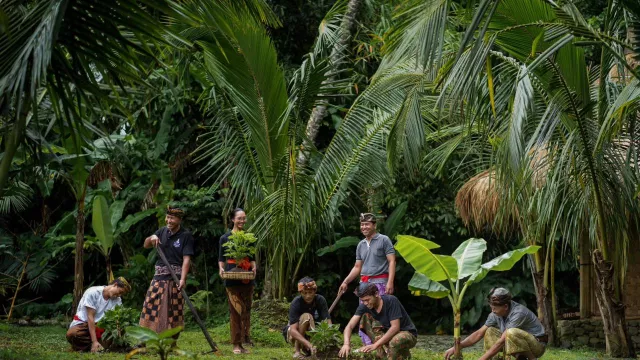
(115, 211)
(417, 252)
(342, 243)
(421, 285)
(131, 220)
(392, 224)
(469, 256)
(101, 221)
(503, 262)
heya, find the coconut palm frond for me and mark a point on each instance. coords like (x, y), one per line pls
(17, 197)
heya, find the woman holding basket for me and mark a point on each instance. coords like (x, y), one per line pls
(239, 282)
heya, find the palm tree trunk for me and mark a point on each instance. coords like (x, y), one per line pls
(12, 142)
(618, 341)
(79, 271)
(337, 57)
(540, 273)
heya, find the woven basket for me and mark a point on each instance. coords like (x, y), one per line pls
(238, 275)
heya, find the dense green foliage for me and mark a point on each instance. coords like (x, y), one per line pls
(205, 105)
(115, 322)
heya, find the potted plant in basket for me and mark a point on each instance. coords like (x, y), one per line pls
(240, 247)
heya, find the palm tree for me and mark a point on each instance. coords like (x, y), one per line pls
(255, 141)
(82, 55)
(75, 51)
(517, 96)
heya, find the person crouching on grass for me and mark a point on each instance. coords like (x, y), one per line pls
(305, 310)
(509, 326)
(83, 335)
(392, 331)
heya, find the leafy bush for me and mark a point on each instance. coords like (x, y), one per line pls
(326, 337)
(240, 245)
(115, 321)
(161, 344)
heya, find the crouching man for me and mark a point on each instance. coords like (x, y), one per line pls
(391, 328)
(83, 335)
(510, 326)
(305, 310)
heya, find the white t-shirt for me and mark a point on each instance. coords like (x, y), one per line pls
(94, 299)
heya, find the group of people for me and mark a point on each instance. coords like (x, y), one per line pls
(382, 321)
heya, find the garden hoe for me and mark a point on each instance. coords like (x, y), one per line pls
(214, 347)
(335, 302)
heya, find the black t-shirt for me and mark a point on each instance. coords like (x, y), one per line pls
(175, 247)
(392, 309)
(318, 308)
(221, 250)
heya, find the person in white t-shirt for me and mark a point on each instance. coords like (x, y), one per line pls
(83, 334)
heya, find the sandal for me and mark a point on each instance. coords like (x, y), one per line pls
(237, 351)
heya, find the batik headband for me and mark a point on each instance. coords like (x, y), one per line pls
(177, 212)
(367, 217)
(307, 286)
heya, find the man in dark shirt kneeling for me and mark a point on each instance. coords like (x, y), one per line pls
(393, 331)
(305, 310)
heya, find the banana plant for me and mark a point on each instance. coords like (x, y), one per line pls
(107, 224)
(459, 270)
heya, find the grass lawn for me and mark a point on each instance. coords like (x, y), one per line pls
(49, 342)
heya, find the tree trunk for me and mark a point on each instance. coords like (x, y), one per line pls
(12, 142)
(79, 271)
(617, 337)
(15, 295)
(337, 56)
(545, 308)
(585, 278)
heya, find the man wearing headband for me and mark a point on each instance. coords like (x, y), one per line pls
(83, 335)
(305, 310)
(396, 335)
(163, 305)
(510, 326)
(375, 262)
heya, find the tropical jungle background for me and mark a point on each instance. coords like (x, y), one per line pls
(305, 114)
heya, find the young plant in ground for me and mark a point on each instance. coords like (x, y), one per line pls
(161, 344)
(464, 263)
(115, 321)
(240, 245)
(326, 337)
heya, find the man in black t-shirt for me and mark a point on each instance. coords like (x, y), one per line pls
(164, 304)
(305, 310)
(394, 331)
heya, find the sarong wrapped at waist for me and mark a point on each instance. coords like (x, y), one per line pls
(164, 270)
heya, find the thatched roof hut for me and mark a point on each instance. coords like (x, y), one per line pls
(478, 201)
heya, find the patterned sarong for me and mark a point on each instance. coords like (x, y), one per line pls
(398, 348)
(240, 298)
(517, 341)
(305, 324)
(381, 284)
(163, 306)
